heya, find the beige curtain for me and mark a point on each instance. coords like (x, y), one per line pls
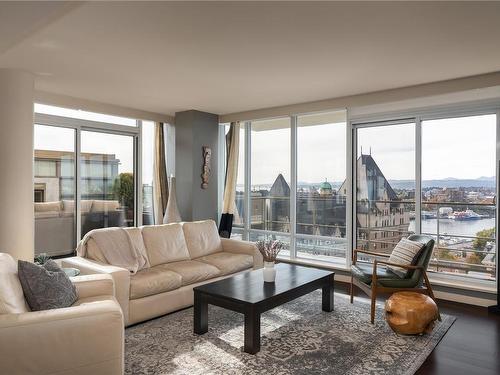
(160, 182)
(232, 152)
(229, 211)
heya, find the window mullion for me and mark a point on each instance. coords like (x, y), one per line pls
(78, 185)
(418, 175)
(293, 187)
(247, 192)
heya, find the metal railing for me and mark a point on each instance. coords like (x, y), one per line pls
(445, 257)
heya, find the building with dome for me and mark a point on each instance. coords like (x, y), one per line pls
(325, 189)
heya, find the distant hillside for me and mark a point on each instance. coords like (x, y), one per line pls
(488, 182)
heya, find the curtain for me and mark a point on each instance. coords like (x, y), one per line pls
(229, 203)
(160, 182)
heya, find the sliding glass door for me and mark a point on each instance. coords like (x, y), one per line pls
(459, 193)
(85, 177)
(106, 181)
(321, 198)
(54, 189)
(385, 184)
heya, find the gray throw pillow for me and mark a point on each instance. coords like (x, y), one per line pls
(46, 287)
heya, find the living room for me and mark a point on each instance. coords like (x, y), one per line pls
(247, 187)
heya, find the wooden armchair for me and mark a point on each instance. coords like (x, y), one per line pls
(372, 279)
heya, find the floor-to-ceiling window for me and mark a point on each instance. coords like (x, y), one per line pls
(107, 180)
(385, 184)
(294, 168)
(270, 179)
(459, 193)
(321, 171)
(428, 173)
(91, 159)
(54, 189)
(446, 166)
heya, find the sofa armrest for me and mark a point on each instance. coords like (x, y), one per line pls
(94, 285)
(121, 278)
(243, 247)
(82, 339)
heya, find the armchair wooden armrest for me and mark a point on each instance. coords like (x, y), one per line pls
(408, 267)
(356, 251)
(376, 262)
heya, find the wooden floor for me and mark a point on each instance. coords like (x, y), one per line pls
(470, 347)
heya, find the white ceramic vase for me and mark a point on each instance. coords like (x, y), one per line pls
(172, 214)
(269, 272)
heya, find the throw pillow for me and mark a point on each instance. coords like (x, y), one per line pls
(406, 252)
(11, 293)
(46, 287)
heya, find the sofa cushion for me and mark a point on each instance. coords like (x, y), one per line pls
(165, 243)
(228, 263)
(202, 238)
(11, 293)
(153, 280)
(48, 206)
(193, 271)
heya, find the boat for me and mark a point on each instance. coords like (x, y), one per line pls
(465, 215)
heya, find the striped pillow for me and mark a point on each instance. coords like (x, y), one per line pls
(406, 252)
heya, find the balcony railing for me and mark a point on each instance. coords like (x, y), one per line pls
(453, 252)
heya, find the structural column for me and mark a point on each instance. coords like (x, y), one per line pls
(193, 131)
(16, 164)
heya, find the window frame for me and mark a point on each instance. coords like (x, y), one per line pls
(415, 115)
(247, 231)
(429, 113)
(80, 125)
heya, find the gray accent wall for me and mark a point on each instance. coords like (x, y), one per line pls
(193, 130)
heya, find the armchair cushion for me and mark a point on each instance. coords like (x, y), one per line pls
(406, 253)
(364, 272)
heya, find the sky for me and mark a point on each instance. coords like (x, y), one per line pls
(462, 148)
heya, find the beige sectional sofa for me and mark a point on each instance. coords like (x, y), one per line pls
(181, 256)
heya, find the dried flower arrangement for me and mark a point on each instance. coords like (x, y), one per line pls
(270, 249)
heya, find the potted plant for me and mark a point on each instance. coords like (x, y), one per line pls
(269, 250)
(123, 189)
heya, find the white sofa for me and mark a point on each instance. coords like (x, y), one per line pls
(86, 338)
(181, 256)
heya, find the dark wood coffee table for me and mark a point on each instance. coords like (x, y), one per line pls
(248, 294)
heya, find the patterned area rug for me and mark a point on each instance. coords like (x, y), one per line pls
(297, 338)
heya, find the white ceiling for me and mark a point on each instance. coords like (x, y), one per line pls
(230, 57)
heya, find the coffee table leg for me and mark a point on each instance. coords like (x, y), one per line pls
(200, 314)
(252, 332)
(327, 298)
